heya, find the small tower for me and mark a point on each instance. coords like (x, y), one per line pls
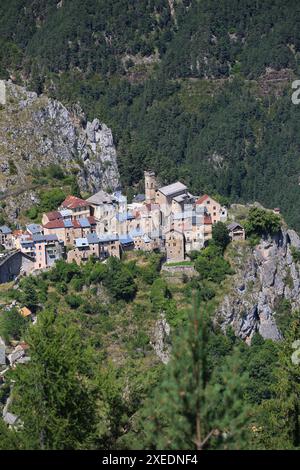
(150, 186)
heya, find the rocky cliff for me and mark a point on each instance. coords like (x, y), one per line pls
(36, 131)
(264, 275)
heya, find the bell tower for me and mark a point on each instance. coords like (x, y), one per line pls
(150, 186)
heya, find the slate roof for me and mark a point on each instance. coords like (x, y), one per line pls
(34, 228)
(5, 230)
(136, 233)
(65, 213)
(81, 242)
(234, 225)
(123, 217)
(84, 223)
(174, 188)
(139, 198)
(38, 238)
(101, 197)
(108, 238)
(92, 238)
(125, 239)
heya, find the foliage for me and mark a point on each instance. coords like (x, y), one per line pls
(194, 408)
(12, 324)
(261, 222)
(220, 235)
(211, 265)
(51, 394)
(278, 418)
(119, 280)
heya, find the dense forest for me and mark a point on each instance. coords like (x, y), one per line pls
(200, 91)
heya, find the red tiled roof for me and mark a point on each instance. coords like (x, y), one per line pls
(58, 223)
(202, 199)
(72, 202)
(17, 233)
(54, 215)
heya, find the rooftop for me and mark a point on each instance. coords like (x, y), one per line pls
(4, 229)
(234, 225)
(174, 188)
(54, 215)
(101, 197)
(139, 198)
(81, 242)
(34, 228)
(73, 202)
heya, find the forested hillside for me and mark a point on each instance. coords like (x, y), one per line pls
(197, 90)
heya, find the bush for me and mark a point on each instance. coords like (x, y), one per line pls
(12, 324)
(261, 222)
(220, 235)
(74, 301)
(211, 265)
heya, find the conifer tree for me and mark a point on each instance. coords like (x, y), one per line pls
(278, 419)
(52, 394)
(194, 407)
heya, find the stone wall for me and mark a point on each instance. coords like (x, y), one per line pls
(13, 265)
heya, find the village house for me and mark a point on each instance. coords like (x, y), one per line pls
(78, 207)
(102, 206)
(68, 230)
(236, 231)
(6, 239)
(93, 245)
(214, 209)
(142, 241)
(47, 250)
(175, 246)
(34, 229)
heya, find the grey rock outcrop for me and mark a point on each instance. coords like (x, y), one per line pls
(264, 275)
(159, 342)
(36, 131)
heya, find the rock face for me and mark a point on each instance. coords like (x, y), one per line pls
(36, 131)
(159, 342)
(264, 275)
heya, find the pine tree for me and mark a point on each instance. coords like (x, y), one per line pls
(52, 394)
(278, 419)
(194, 407)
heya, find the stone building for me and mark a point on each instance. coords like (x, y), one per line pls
(78, 207)
(214, 209)
(6, 239)
(236, 231)
(175, 246)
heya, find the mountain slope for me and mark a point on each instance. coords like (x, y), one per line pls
(37, 133)
(197, 90)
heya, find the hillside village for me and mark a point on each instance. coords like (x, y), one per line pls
(168, 219)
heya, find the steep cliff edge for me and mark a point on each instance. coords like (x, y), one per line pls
(36, 131)
(265, 275)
